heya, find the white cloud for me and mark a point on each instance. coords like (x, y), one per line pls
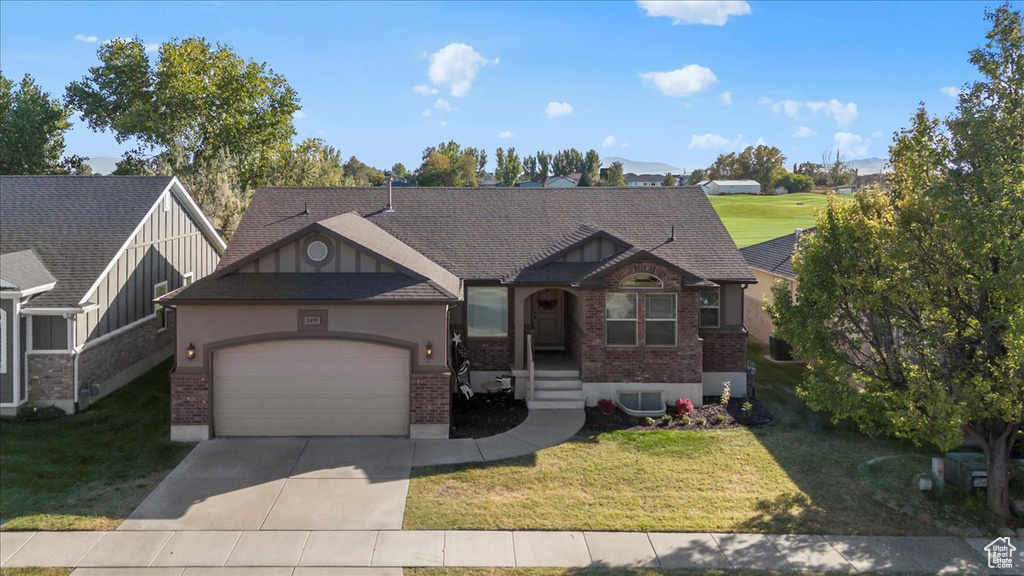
(152, 47)
(804, 132)
(682, 82)
(609, 141)
(428, 112)
(790, 107)
(726, 98)
(444, 106)
(716, 142)
(86, 39)
(951, 91)
(558, 109)
(851, 144)
(505, 134)
(455, 67)
(688, 12)
(298, 115)
(424, 90)
(442, 123)
(843, 114)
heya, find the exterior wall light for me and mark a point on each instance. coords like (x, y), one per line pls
(430, 350)
(190, 352)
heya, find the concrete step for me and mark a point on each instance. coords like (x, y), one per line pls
(556, 374)
(554, 404)
(557, 383)
(558, 394)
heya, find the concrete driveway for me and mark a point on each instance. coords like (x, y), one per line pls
(293, 483)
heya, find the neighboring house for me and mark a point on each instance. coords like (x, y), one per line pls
(488, 180)
(81, 259)
(703, 184)
(634, 180)
(771, 262)
(333, 311)
(717, 187)
(567, 181)
(529, 184)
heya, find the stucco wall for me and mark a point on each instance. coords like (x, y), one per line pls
(419, 324)
(292, 257)
(756, 320)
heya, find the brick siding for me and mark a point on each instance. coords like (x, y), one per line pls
(51, 377)
(682, 363)
(112, 356)
(725, 351)
(190, 399)
(429, 398)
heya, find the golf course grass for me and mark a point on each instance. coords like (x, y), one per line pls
(753, 219)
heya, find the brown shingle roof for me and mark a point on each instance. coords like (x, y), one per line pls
(774, 256)
(478, 233)
(23, 271)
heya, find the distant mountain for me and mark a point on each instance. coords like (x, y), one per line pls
(103, 164)
(867, 166)
(641, 167)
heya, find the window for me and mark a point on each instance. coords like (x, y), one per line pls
(317, 251)
(660, 319)
(186, 279)
(710, 308)
(642, 403)
(620, 319)
(3, 341)
(161, 312)
(640, 280)
(487, 315)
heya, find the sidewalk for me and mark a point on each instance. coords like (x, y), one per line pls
(298, 553)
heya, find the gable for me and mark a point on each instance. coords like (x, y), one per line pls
(595, 250)
(294, 257)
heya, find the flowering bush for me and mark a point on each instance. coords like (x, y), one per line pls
(606, 406)
(684, 406)
(726, 393)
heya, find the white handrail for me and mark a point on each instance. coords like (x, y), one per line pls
(529, 366)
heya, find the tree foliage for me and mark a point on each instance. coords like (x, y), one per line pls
(567, 162)
(794, 183)
(698, 175)
(590, 173)
(448, 164)
(910, 305)
(508, 167)
(32, 127)
(761, 163)
(614, 176)
(198, 107)
(669, 180)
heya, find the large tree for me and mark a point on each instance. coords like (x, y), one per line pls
(509, 167)
(32, 127)
(762, 163)
(544, 161)
(448, 164)
(590, 175)
(567, 162)
(614, 176)
(199, 106)
(310, 163)
(910, 305)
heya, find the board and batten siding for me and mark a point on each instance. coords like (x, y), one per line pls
(292, 257)
(593, 251)
(169, 245)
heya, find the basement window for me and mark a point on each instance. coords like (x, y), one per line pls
(642, 403)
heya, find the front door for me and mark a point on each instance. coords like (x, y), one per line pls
(548, 320)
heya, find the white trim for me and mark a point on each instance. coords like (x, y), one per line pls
(28, 335)
(157, 308)
(190, 206)
(660, 286)
(29, 292)
(187, 278)
(115, 333)
(635, 320)
(51, 352)
(15, 350)
(59, 311)
(3, 342)
(718, 309)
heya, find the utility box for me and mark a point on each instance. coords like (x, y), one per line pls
(966, 470)
(779, 349)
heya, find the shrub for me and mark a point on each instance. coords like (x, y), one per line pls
(700, 421)
(648, 421)
(684, 420)
(606, 406)
(726, 393)
(794, 182)
(748, 409)
(666, 419)
(684, 406)
(718, 419)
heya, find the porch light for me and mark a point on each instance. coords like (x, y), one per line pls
(430, 350)
(190, 352)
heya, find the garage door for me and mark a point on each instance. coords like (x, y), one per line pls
(311, 388)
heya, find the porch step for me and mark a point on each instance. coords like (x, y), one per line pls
(543, 374)
(558, 394)
(548, 384)
(554, 404)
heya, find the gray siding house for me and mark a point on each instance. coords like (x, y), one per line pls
(81, 260)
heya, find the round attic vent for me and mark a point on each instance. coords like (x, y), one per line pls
(316, 251)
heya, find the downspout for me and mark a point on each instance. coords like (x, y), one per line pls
(72, 334)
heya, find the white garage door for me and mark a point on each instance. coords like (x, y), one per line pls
(311, 388)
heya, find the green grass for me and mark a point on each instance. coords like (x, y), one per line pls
(35, 571)
(799, 475)
(590, 572)
(90, 470)
(753, 219)
(802, 474)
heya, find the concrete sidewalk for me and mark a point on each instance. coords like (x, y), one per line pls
(296, 553)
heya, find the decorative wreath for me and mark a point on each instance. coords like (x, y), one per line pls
(547, 304)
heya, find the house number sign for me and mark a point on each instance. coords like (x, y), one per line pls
(311, 320)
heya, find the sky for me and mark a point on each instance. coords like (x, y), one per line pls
(672, 82)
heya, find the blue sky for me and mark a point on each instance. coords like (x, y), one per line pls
(642, 81)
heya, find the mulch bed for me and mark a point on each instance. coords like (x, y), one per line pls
(485, 415)
(711, 416)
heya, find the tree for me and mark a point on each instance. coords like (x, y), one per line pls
(448, 164)
(509, 168)
(794, 183)
(815, 171)
(195, 108)
(310, 163)
(836, 171)
(761, 163)
(614, 175)
(32, 127)
(401, 171)
(698, 175)
(669, 180)
(567, 162)
(724, 167)
(544, 161)
(590, 175)
(530, 168)
(361, 174)
(910, 305)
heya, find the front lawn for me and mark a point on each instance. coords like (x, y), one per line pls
(798, 475)
(90, 470)
(618, 571)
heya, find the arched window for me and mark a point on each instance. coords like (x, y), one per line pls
(641, 280)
